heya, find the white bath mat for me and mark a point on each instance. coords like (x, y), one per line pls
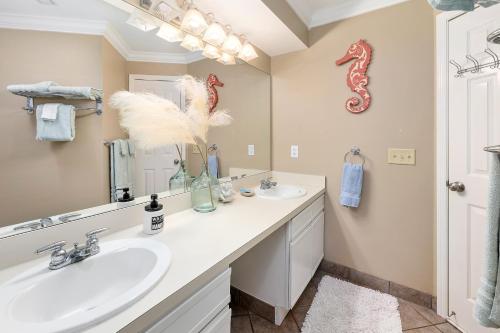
(342, 307)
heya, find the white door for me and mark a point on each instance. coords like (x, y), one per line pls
(474, 122)
(155, 167)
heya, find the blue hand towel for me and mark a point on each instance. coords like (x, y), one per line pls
(60, 129)
(487, 305)
(213, 166)
(467, 5)
(352, 184)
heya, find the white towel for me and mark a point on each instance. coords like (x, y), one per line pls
(61, 129)
(49, 111)
(37, 89)
(76, 92)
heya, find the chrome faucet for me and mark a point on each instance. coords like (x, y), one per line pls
(61, 258)
(42, 223)
(266, 184)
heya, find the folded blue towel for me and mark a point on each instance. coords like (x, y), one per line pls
(213, 166)
(467, 5)
(352, 183)
(60, 129)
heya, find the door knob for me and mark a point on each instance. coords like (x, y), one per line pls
(176, 161)
(456, 186)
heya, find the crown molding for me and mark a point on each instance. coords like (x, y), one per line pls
(54, 24)
(92, 27)
(348, 9)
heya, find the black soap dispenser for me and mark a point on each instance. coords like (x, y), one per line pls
(154, 217)
(126, 197)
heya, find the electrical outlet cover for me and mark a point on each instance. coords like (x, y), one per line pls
(294, 151)
(401, 156)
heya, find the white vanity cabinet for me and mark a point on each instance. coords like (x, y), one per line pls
(207, 311)
(278, 269)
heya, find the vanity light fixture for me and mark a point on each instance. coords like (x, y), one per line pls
(141, 21)
(170, 33)
(166, 12)
(192, 43)
(211, 52)
(232, 44)
(247, 52)
(227, 59)
(215, 33)
(193, 22)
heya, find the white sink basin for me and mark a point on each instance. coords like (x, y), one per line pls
(281, 192)
(82, 294)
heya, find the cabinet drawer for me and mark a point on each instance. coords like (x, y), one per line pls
(301, 221)
(306, 251)
(221, 323)
(199, 310)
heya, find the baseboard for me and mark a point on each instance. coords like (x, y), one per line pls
(367, 280)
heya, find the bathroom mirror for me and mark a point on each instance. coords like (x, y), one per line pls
(88, 43)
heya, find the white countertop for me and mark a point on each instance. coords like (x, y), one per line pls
(202, 245)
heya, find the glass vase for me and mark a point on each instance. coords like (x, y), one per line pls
(180, 181)
(205, 192)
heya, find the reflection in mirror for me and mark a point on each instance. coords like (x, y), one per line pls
(62, 161)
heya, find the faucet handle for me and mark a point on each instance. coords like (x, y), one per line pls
(92, 241)
(93, 233)
(57, 246)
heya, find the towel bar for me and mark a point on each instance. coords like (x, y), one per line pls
(31, 108)
(492, 149)
(354, 152)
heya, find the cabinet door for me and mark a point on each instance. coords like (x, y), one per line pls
(306, 251)
(221, 323)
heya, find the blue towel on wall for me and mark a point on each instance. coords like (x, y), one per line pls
(60, 129)
(352, 184)
(467, 5)
(213, 165)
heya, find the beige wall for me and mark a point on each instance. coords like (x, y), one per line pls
(391, 234)
(47, 178)
(247, 95)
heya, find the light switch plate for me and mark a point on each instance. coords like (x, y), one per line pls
(251, 150)
(294, 151)
(401, 156)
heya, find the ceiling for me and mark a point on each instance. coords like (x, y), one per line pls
(318, 12)
(108, 17)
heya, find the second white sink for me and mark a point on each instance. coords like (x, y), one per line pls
(281, 192)
(81, 294)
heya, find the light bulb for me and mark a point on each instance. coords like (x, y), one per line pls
(192, 43)
(215, 34)
(211, 52)
(226, 59)
(247, 52)
(232, 45)
(170, 33)
(194, 22)
(141, 22)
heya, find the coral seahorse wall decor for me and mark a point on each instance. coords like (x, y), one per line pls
(357, 79)
(213, 96)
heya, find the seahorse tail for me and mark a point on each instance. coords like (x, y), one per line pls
(354, 104)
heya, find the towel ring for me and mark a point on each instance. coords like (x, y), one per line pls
(352, 154)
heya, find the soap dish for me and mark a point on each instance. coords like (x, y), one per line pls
(246, 192)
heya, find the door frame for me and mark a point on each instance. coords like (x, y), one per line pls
(442, 132)
(147, 77)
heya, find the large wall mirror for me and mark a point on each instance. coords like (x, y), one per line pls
(79, 168)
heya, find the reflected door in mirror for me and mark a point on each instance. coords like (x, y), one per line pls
(155, 167)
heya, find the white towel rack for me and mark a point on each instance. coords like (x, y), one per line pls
(30, 101)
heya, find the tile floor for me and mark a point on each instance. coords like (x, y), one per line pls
(414, 318)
